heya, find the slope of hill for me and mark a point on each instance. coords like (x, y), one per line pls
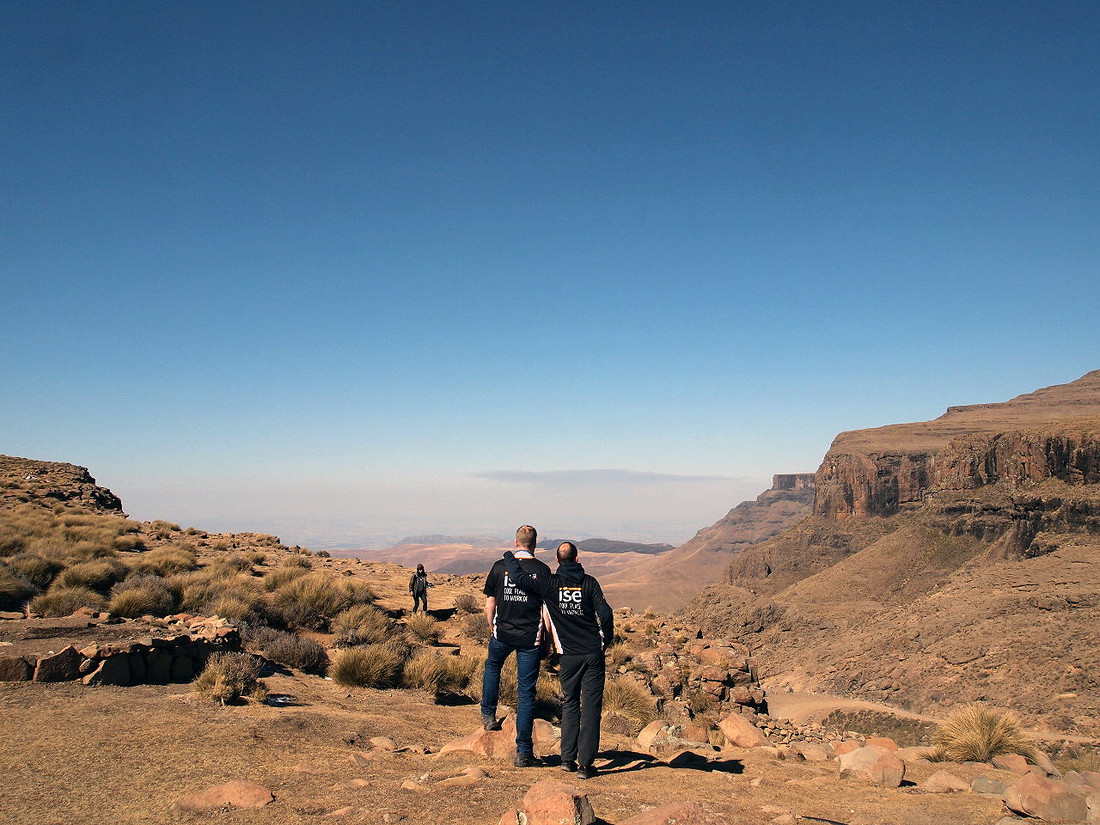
(668, 581)
(944, 560)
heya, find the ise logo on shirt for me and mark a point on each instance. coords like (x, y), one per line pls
(569, 599)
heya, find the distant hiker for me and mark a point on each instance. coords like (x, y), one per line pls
(582, 627)
(516, 621)
(418, 586)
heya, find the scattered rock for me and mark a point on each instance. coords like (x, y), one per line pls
(677, 813)
(1011, 762)
(741, 733)
(874, 764)
(15, 669)
(552, 803)
(58, 667)
(1045, 798)
(989, 786)
(233, 794)
(944, 782)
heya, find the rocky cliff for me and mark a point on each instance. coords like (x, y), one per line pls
(941, 559)
(25, 480)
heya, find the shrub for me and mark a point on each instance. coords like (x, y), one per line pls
(15, 588)
(976, 733)
(229, 676)
(467, 604)
(422, 628)
(476, 626)
(701, 702)
(141, 595)
(437, 674)
(286, 648)
(37, 569)
(301, 562)
(99, 575)
(361, 624)
(376, 665)
(624, 696)
(64, 601)
(310, 601)
(220, 590)
(618, 654)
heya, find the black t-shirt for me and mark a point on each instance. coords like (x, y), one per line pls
(518, 620)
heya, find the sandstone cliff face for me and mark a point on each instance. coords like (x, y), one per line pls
(1051, 433)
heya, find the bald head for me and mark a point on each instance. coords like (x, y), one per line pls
(567, 552)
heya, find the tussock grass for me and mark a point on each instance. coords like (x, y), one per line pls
(98, 574)
(625, 697)
(466, 603)
(476, 626)
(165, 561)
(38, 570)
(618, 654)
(438, 674)
(229, 676)
(376, 665)
(222, 591)
(422, 628)
(15, 588)
(64, 601)
(310, 601)
(274, 579)
(142, 595)
(287, 648)
(977, 733)
(361, 624)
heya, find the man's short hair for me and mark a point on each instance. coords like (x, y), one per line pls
(526, 537)
(567, 551)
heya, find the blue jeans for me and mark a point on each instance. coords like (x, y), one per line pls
(527, 673)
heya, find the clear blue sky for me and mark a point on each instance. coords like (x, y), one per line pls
(340, 271)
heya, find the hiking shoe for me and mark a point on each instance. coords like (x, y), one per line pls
(490, 722)
(527, 760)
(585, 771)
(569, 765)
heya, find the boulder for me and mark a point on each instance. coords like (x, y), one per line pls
(15, 669)
(501, 744)
(234, 794)
(944, 782)
(114, 670)
(813, 752)
(650, 732)
(677, 813)
(883, 742)
(552, 803)
(59, 667)
(988, 786)
(874, 764)
(741, 733)
(1011, 762)
(1046, 798)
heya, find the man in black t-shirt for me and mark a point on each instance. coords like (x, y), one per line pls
(516, 620)
(582, 626)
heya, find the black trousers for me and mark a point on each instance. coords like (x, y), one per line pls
(418, 598)
(582, 679)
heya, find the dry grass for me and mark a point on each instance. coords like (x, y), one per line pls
(165, 561)
(64, 601)
(229, 677)
(422, 628)
(625, 697)
(37, 569)
(312, 600)
(376, 665)
(476, 626)
(438, 674)
(287, 648)
(361, 624)
(15, 588)
(976, 733)
(274, 579)
(142, 595)
(466, 603)
(99, 575)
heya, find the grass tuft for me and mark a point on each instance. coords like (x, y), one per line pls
(64, 601)
(376, 665)
(422, 628)
(623, 696)
(230, 676)
(361, 624)
(15, 588)
(976, 733)
(142, 595)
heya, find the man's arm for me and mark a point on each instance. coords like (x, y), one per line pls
(604, 614)
(490, 609)
(527, 582)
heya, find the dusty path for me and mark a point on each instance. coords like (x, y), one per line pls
(813, 707)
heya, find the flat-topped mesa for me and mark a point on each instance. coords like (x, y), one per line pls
(793, 481)
(1050, 433)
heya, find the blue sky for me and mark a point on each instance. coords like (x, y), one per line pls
(350, 271)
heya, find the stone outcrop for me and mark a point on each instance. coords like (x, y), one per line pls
(28, 480)
(1046, 798)
(176, 656)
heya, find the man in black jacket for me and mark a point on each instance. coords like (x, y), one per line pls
(582, 626)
